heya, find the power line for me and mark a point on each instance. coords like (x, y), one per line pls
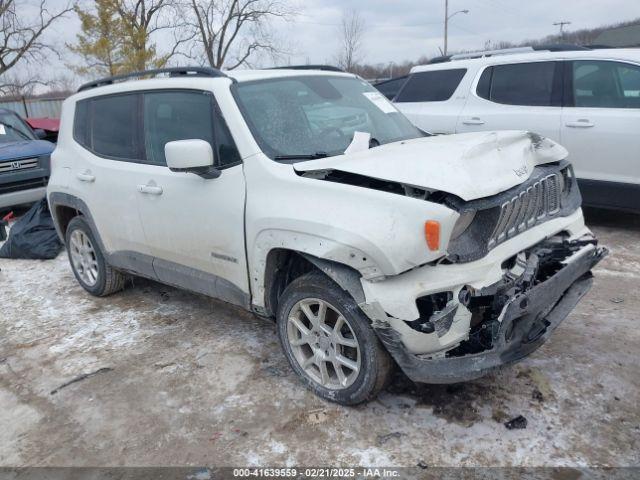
(465, 30)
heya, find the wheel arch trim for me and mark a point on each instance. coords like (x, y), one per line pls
(345, 276)
(60, 199)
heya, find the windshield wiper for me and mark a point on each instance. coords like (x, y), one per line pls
(302, 156)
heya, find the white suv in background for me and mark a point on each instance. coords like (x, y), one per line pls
(305, 196)
(587, 100)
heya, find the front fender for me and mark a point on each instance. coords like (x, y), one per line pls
(369, 264)
(333, 244)
(375, 232)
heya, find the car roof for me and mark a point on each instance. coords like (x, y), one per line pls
(628, 54)
(134, 84)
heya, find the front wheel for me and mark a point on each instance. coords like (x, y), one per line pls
(329, 342)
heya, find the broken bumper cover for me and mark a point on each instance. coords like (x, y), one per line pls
(527, 320)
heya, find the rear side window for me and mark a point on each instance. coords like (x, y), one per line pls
(605, 84)
(528, 84)
(109, 126)
(436, 86)
(115, 126)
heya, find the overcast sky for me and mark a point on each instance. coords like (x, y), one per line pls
(407, 29)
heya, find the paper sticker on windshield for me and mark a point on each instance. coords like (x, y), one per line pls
(2, 130)
(380, 101)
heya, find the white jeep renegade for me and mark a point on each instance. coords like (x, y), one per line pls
(305, 196)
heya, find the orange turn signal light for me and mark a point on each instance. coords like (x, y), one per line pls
(432, 234)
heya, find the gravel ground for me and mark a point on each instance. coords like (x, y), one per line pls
(181, 379)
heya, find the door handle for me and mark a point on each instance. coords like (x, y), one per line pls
(150, 189)
(473, 121)
(86, 177)
(582, 123)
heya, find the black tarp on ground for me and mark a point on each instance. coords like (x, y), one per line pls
(33, 236)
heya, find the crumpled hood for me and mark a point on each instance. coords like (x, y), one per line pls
(26, 148)
(469, 165)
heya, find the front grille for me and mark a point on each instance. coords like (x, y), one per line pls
(550, 192)
(23, 185)
(530, 206)
(18, 165)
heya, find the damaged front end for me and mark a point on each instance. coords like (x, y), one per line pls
(509, 319)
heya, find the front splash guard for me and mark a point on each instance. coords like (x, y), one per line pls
(527, 321)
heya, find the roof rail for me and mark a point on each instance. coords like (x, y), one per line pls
(491, 53)
(559, 47)
(328, 68)
(172, 71)
(440, 59)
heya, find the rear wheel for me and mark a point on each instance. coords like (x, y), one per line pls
(329, 342)
(88, 263)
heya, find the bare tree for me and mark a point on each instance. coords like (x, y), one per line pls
(140, 20)
(352, 30)
(228, 32)
(21, 36)
(13, 86)
(63, 85)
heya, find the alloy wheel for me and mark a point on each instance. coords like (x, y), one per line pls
(323, 343)
(83, 257)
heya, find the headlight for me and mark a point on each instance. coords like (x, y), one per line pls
(462, 224)
(566, 181)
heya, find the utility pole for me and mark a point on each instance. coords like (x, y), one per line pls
(447, 17)
(446, 24)
(561, 25)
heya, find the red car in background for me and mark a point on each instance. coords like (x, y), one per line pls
(49, 125)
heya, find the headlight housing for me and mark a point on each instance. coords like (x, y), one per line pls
(466, 218)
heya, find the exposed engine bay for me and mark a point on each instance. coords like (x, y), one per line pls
(509, 319)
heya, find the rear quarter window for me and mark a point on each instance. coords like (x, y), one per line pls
(81, 124)
(435, 86)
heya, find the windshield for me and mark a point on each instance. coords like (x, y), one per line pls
(315, 116)
(12, 129)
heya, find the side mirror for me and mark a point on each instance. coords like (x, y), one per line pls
(40, 133)
(193, 156)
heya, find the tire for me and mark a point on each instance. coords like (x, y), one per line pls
(87, 261)
(356, 344)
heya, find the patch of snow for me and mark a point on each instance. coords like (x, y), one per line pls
(277, 447)
(370, 457)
